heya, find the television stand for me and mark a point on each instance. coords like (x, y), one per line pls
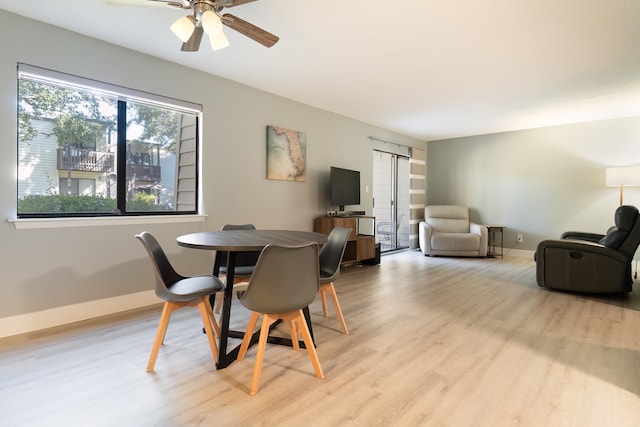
(360, 247)
(348, 214)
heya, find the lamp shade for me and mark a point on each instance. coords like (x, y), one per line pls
(183, 28)
(219, 41)
(211, 23)
(624, 175)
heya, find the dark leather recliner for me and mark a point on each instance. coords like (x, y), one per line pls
(589, 262)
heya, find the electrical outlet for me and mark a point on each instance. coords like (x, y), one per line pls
(519, 238)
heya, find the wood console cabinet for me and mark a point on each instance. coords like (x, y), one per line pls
(360, 247)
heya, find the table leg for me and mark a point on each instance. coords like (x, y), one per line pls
(224, 358)
(307, 318)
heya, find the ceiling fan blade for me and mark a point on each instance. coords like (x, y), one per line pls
(146, 3)
(193, 44)
(263, 37)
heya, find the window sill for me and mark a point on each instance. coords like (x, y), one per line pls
(31, 223)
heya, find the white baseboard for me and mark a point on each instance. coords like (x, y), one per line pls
(30, 322)
(520, 253)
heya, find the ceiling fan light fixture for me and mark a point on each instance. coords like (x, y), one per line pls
(183, 27)
(218, 41)
(211, 23)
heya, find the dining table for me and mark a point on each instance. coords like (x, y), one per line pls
(233, 242)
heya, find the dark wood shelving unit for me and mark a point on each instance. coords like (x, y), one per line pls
(360, 247)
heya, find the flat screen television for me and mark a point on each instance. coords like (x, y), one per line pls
(344, 187)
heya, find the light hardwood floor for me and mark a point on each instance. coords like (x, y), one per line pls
(433, 342)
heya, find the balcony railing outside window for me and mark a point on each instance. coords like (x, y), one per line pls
(85, 160)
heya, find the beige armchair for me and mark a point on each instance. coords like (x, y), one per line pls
(446, 231)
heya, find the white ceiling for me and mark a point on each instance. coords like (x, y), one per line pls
(429, 69)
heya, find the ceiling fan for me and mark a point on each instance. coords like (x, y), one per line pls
(206, 17)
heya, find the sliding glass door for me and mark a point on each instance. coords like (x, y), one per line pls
(391, 200)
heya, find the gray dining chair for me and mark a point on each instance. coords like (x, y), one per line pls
(178, 291)
(245, 263)
(330, 260)
(285, 280)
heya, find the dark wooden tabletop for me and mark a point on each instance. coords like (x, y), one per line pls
(247, 240)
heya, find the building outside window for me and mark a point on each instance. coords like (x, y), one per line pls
(88, 148)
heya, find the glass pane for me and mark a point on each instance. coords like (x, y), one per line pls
(66, 159)
(391, 200)
(383, 199)
(403, 199)
(161, 159)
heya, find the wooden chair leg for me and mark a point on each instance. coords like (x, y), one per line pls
(323, 296)
(209, 320)
(207, 315)
(328, 287)
(308, 342)
(247, 335)
(298, 326)
(267, 320)
(214, 321)
(293, 331)
(167, 309)
(219, 302)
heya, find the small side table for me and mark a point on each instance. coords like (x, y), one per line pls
(493, 240)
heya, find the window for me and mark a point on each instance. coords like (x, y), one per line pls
(78, 186)
(87, 148)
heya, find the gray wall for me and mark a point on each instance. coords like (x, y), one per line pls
(47, 268)
(537, 182)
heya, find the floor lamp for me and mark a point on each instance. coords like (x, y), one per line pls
(623, 176)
